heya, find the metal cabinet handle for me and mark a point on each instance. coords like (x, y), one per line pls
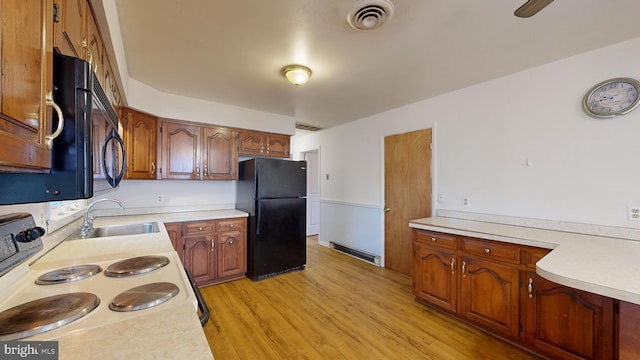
(464, 265)
(231, 240)
(231, 226)
(198, 171)
(434, 239)
(153, 168)
(453, 264)
(200, 228)
(530, 287)
(213, 244)
(49, 138)
(267, 148)
(206, 171)
(487, 250)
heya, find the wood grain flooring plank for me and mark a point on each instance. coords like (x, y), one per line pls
(338, 308)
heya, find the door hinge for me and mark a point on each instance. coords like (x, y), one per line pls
(520, 327)
(56, 17)
(520, 283)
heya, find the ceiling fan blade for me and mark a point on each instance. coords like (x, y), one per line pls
(531, 7)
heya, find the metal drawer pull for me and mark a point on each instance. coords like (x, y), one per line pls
(433, 239)
(231, 226)
(49, 138)
(486, 250)
(530, 288)
(200, 228)
(464, 264)
(453, 264)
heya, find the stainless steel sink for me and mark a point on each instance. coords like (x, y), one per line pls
(121, 230)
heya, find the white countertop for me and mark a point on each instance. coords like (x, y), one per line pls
(173, 333)
(602, 265)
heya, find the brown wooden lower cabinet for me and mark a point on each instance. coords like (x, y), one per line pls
(493, 285)
(213, 250)
(566, 323)
(628, 331)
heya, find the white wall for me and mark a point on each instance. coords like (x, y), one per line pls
(176, 194)
(582, 169)
(145, 98)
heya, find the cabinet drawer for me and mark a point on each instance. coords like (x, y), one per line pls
(491, 250)
(231, 224)
(446, 241)
(199, 227)
(530, 256)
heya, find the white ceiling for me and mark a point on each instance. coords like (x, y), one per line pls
(231, 51)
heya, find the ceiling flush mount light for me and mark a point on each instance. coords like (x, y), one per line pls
(296, 74)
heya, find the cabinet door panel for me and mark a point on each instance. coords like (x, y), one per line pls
(489, 295)
(70, 27)
(181, 151)
(231, 256)
(141, 145)
(26, 42)
(175, 235)
(568, 323)
(251, 143)
(198, 258)
(435, 276)
(219, 154)
(277, 145)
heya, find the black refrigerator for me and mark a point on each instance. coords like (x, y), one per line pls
(273, 192)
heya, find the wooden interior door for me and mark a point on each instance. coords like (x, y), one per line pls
(407, 192)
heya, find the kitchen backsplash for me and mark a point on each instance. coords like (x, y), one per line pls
(579, 228)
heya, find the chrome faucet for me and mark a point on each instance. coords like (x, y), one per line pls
(87, 224)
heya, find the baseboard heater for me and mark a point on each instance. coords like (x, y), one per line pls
(359, 254)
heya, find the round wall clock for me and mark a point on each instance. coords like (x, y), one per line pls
(612, 97)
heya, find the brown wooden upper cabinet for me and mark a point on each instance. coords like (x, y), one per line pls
(255, 143)
(95, 50)
(198, 152)
(141, 137)
(26, 44)
(76, 33)
(69, 26)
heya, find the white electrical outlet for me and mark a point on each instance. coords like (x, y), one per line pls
(440, 197)
(634, 213)
(159, 199)
(466, 201)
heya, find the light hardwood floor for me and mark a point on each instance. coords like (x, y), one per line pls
(338, 308)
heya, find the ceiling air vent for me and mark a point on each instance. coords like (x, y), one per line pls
(369, 14)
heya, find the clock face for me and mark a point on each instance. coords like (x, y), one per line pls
(612, 97)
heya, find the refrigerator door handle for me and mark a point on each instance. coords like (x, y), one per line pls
(258, 221)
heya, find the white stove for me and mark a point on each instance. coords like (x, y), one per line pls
(21, 287)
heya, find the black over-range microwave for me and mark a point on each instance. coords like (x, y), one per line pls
(88, 156)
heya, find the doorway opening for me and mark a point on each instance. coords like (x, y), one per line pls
(313, 192)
